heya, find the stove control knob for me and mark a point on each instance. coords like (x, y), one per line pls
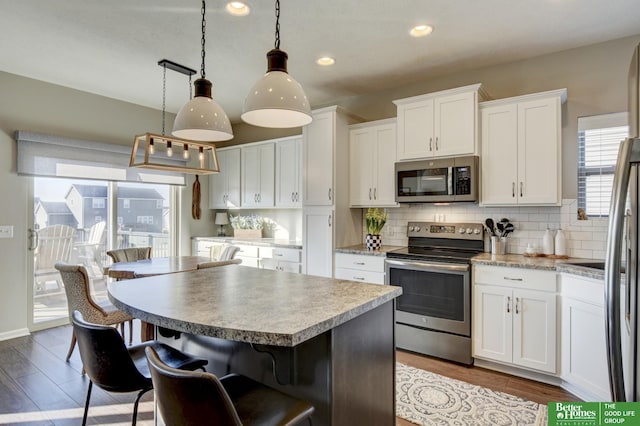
(469, 231)
(411, 229)
(461, 231)
(417, 229)
(476, 231)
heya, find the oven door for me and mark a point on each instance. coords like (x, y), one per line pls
(435, 295)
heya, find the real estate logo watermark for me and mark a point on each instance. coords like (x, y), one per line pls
(593, 413)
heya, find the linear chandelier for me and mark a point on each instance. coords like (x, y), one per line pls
(156, 151)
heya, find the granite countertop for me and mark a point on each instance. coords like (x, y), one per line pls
(362, 249)
(263, 242)
(543, 263)
(247, 304)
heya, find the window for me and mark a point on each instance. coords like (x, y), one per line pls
(598, 140)
(126, 203)
(145, 220)
(98, 203)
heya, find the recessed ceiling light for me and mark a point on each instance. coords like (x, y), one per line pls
(421, 30)
(237, 8)
(326, 61)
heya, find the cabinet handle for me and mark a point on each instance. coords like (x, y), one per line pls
(255, 198)
(517, 303)
(436, 143)
(521, 189)
(259, 198)
(513, 189)
(512, 279)
(297, 197)
(375, 193)
(508, 304)
(278, 254)
(358, 263)
(329, 194)
(329, 221)
(369, 193)
(293, 196)
(359, 278)
(430, 144)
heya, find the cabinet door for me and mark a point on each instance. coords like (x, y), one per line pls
(362, 147)
(258, 168)
(250, 181)
(492, 322)
(584, 350)
(416, 130)
(318, 249)
(266, 183)
(534, 330)
(318, 139)
(288, 159)
(224, 187)
(384, 178)
(539, 151)
(218, 183)
(455, 124)
(499, 171)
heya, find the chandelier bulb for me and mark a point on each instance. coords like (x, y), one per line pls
(169, 149)
(185, 153)
(152, 149)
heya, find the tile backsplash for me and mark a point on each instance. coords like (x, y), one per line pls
(585, 238)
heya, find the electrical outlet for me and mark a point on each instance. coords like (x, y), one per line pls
(6, 231)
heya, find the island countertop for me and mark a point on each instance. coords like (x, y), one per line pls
(247, 304)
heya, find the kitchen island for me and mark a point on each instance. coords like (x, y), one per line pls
(328, 341)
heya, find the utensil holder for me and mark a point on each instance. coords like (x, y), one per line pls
(498, 245)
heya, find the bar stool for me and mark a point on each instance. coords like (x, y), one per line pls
(194, 398)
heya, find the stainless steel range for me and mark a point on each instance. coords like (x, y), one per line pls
(433, 314)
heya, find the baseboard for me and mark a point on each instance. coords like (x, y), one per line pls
(14, 333)
(520, 372)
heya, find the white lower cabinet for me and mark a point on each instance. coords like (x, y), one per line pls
(281, 259)
(514, 319)
(583, 337)
(358, 267)
(317, 252)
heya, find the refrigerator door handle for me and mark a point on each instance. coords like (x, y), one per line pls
(629, 152)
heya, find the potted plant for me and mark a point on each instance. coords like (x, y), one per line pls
(247, 226)
(375, 220)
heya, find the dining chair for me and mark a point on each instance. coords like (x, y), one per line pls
(76, 286)
(200, 398)
(113, 367)
(130, 254)
(223, 251)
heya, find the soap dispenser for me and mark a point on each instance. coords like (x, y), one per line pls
(547, 243)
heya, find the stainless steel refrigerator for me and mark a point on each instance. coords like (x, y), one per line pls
(621, 293)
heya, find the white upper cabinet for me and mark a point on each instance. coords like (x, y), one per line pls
(372, 154)
(438, 124)
(288, 172)
(521, 150)
(258, 171)
(224, 187)
(318, 159)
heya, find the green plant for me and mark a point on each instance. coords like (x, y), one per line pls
(247, 222)
(375, 220)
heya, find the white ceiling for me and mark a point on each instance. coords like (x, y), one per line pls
(112, 47)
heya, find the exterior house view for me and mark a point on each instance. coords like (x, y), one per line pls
(421, 213)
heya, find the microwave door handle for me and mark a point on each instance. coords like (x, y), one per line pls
(450, 181)
(628, 151)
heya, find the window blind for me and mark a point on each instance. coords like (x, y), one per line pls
(55, 156)
(599, 138)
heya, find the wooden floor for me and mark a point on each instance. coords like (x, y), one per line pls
(38, 388)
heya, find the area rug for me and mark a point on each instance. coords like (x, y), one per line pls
(427, 398)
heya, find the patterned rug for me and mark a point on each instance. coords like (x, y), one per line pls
(427, 398)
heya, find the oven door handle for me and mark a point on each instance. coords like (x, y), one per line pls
(445, 267)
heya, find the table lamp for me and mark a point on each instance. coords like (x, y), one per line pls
(222, 219)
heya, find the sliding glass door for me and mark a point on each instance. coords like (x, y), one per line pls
(77, 221)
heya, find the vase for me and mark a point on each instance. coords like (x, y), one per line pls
(373, 242)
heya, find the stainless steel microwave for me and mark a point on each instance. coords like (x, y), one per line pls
(441, 180)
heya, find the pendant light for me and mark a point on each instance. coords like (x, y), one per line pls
(277, 100)
(202, 119)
